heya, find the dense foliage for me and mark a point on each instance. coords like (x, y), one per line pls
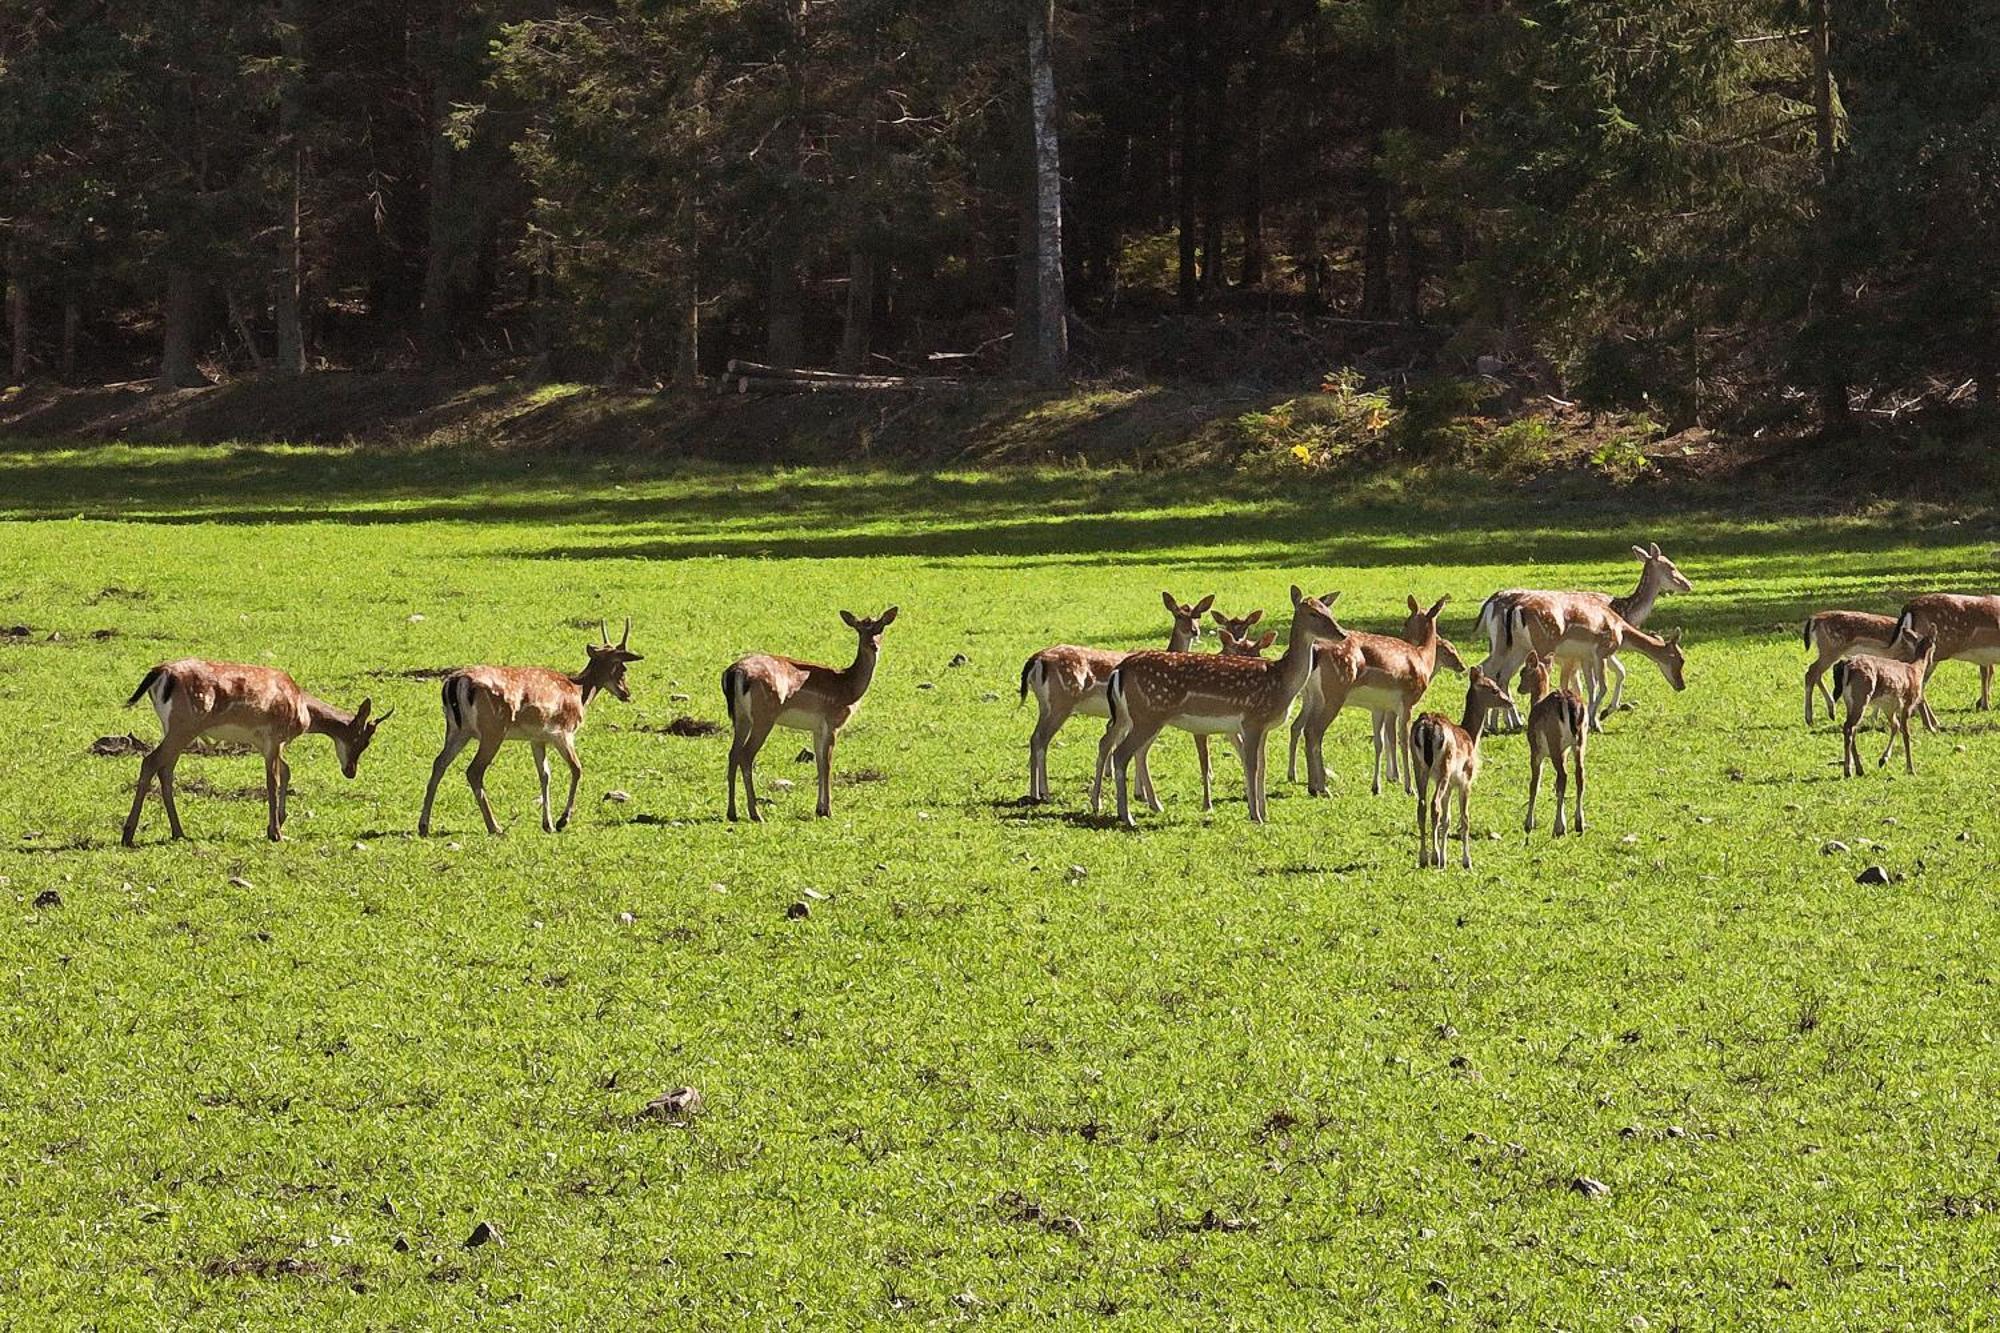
(1717, 206)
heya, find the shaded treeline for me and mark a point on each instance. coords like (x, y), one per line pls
(1732, 209)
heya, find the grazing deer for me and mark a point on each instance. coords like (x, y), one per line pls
(254, 705)
(494, 705)
(1447, 759)
(1379, 672)
(1213, 694)
(1658, 576)
(764, 691)
(1590, 648)
(1068, 680)
(1558, 730)
(1835, 636)
(1966, 629)
(1895, 689)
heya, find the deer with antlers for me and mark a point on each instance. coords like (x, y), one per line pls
(497, 704)
(1447, 759)
(1067, 680)
(251, 705)
(1658, 575)
(1895, 689)
(1384, 674)
(1212, 694)
(1963, 628)
(1558, 731)
(763, 691)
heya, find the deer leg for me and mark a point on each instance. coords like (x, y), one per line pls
(1400, 742)
(823, 761)
(752, 747)
(273, 784)
(1562, 793)
(1423, 826)
(1252, 753)
(1816, 683)
(1046, 726)
(1903, 725)
(1850, 750)
(1106, 748)
(540, 750)
(148, 768)
(1142, 778)
(567, 749)
(1617, 670)
(1465, 826)
(1127, 746)
(1292, 747)
(1535, 784)
(1207, 783)
(284, 790)
(475, 777)
(454, 741)
(1316, 728)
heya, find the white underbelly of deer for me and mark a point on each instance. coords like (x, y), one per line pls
(1093, 704)
(801, 719)
(230, 735)
(1374, 698)
(1209, 724)
(1981, 656)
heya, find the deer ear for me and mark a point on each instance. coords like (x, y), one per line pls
(1253, 617)
(1297, 596)
(1173, 607)
(1204, 604)
(1270, 637)
(1642, 553)
(888, 617)
(361, 713)
(1675, 636)
(1437, 607)
(852, 623)
(1412, 600)
(1654, 548)
(1330, 598)
(385, 717)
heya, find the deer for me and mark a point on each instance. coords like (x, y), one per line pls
(255, 705)
(1966, 629)
(1447, 759)
(1384, 674)
(1212, 694)
(762, 691)
(1607, 637)
(1881, 684)
(497, 704)
(1558, 732)
(1658, 575)
(1834, 636)
(1067, 680)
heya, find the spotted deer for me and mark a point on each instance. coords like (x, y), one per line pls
(1447, 759)
(763, 691)
(1558, 732)
(496, 704)
(1382, 673)
(1895, 689)
(1658, 575)
(1834, 636)
(1067, 681)
(251, 705)
(1965, 629)
(1213, 694)
(1593, 651)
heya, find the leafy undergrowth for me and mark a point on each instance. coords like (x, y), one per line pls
(1012, 1063)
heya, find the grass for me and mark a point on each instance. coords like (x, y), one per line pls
(1015, 1065)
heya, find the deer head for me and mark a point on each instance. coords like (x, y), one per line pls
(608, 660)
(1662, 570)
(352, 741)
(1187, 619)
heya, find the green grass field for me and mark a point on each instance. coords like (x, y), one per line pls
(1016, 1064)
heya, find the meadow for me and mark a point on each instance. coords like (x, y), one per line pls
(1014, 1065)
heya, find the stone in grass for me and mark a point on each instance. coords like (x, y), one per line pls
(1832, 847)
(1872, 875)
(799, 911)
(401, 1245)
(48, 898)
(1590, 1187)
(676, 1107)
(238, 882)
(959, 660)
(483, 1234)
(617, 796)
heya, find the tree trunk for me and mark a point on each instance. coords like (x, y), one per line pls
(856, 333)
(17, 319)
(177, 317)
(1378, 200)
(1051, 302)
(286, 278)
(686, 372)
(1827, 296)
(1215, 81)
(72, 331)
(1184, 184)
(441, 253)
(784, 341)
(1253, 176)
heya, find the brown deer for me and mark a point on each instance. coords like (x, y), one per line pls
(1213, 694)
(497, 704)
(1558, 731)
(763, 691)
(1067, 680)
(1592, 650)
(1447, 759)
(1379, 672)
(1965, 629)
(1658, 575)
(252, 705)
(1834, 636)
(1892, 688)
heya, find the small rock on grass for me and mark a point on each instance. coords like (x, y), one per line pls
(1872, 875)
(401, 1245)
(680, 1104)
(814, 894)
(1590, 1187)
(804, 757)
(959, 660)
(799, 911)
(48, 898)
(617, 796)
(238, 882)
(626, 919)
(1831, 847)
(782, 784)
(483, 1234)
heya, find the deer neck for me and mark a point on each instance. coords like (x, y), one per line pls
(857, 676)
(324, 719)
(1182, 639)
(1473, 724)
(1639, 605)
(1296, 662)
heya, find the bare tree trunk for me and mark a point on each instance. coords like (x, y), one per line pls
(286, 278)
(177, 316)
(72, 331)
(442, 248)
(17, 317)
(856, 334)
(1184, 184)
(244, 333)
(1051, 302)
(687, 302)
(1253, 176)
(784, 341)
(1827, 296)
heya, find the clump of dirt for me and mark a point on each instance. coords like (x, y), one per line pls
(685, 726)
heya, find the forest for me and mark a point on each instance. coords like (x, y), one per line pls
(1746, 212)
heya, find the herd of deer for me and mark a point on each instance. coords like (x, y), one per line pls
(1878, 664)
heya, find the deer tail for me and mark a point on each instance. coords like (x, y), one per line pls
(1027, 674)
(147, 684)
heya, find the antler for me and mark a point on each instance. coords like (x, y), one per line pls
(626, 637)
(603, 632)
